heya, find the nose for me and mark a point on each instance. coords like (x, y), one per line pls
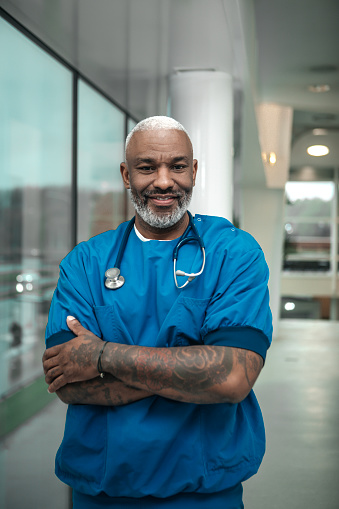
(163, 178)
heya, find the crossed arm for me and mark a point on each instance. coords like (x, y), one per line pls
(194, 374)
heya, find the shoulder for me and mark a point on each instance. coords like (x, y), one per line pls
(222, 234)
(95, 246)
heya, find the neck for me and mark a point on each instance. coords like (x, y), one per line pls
(173, 232)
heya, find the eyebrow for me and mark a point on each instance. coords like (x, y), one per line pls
(149, 160)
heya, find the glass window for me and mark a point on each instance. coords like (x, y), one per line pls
(35, 162)
(130, 208)
(101, 196)
(308, 218)
(130, 124)
(309, 199)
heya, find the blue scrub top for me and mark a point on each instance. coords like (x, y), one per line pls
(158, 446)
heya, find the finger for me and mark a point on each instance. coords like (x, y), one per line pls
(50, 352)
(53, 374)
(75, 326)
(51, 364)
(49, 361)
(57, 384)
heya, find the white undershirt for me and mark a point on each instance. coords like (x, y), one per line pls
(141, 237)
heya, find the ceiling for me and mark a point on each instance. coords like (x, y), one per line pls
(129, 47)
(298, 46)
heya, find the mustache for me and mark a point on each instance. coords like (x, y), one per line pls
(176, 194)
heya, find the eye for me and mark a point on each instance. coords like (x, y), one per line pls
(145, 169)
(179, 167)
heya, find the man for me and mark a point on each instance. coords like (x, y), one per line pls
(159, 373)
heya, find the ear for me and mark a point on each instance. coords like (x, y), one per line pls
(125, 175)
(195, 169)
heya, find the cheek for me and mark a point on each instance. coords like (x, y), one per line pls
(140, 185)
(186, 184)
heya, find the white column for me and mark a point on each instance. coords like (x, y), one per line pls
(263, 217)
(202, 101)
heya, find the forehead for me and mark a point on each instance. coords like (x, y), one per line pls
(162, 142)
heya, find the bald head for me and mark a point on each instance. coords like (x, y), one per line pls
(156, 123)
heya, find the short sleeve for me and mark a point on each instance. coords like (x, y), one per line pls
(71, 297)
(238, 314)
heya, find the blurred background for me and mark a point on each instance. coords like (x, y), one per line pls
(255, 82)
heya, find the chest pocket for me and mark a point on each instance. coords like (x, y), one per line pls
(181, 327)
(111, 326)
(183, 323)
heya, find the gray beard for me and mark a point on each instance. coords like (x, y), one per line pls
(164, 220)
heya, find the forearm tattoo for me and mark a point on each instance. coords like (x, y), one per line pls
(107, 391)
(185, 370)
(252, 364)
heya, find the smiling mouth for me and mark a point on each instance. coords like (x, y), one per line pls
(163, 201)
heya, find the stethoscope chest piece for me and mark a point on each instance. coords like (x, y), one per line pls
(113, 279)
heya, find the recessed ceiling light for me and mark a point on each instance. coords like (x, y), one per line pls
(319, 132)
(269, 157)
(318, 89)
(273, 158)
(318, 150)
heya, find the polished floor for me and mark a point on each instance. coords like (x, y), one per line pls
(298, 391)
(299, 394)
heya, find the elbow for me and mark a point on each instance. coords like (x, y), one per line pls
(238, 384)
(239, 396)
(240, 390)
(234, 391)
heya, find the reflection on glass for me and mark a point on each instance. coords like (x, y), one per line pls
(308, 225)
(130, 124)
(309, 199)
(101, 196)
(314, 232)
(35, 162)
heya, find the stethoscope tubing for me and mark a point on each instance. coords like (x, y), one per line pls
(113, 278)
(184, 238)
(124, 243)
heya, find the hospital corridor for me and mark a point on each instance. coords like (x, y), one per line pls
(247, 94)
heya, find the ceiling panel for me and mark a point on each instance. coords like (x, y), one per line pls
(129, 47)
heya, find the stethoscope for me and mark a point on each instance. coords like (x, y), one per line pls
(115, 280)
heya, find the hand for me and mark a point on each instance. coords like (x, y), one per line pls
(74, 361)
